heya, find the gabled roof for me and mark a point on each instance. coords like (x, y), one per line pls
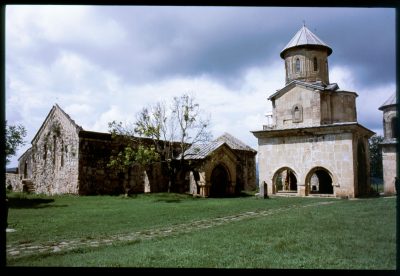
(234, 143)
(389, 102)
(311, 85)
(53, 109)
(304, 37)
(201, 151)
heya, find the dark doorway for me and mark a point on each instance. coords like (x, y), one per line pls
(324, 183)
(219, 182)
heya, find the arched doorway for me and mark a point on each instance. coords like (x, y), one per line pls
(320, 181)
(219, 182)
(285, 180)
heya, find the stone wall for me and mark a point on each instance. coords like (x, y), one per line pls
(13, 182)
(245, 171)
(304, 154)
(306, 72)
(95, 177)
(52, 161)
(389, 160)
(302, 107)
(305, 100)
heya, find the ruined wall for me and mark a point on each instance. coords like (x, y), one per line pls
(54, 156)
(13, 182)
(245, 171)
(95, 177)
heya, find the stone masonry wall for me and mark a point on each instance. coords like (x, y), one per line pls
(308, 101)
(13, 182)
(302, 154)
(389, 164)
(95, 177)
(55, 156)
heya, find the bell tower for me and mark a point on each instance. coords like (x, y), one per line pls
(306, 58)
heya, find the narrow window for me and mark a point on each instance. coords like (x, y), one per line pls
(315, 64)
(297, 65)
(54, 149)
(297, 114)
(395, 131)
(45, 152)
(62, 153)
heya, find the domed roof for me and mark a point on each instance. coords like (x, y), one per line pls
(389, 102)
(305, 37)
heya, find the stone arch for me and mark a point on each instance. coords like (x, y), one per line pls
(284, 180)
(297, 113)
(315, 64)
(320, 180)
(297, 65)
(220, 180)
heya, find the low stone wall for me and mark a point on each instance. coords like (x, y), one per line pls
(13, 182)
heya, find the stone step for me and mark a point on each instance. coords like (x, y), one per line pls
(27, 186)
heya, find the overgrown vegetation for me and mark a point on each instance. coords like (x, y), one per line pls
(171, 130)
(15, 135)
(346, 234)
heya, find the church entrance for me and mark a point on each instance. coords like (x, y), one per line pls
(285, 180)
(319, 181)
(219, 182)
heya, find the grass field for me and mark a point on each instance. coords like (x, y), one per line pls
(174, 230)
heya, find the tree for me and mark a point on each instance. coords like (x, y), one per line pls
(14, 138)
(171, 132)
(375, 156)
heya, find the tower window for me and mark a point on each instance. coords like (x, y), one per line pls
(395, 132)
(315, 64)
(297, 65)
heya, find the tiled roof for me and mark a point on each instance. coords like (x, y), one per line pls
(233, 142)
(305, 37)
(201, 151)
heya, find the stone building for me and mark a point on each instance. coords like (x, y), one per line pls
(389, 144)
(224, 167)
(314, 144)
(66, 159)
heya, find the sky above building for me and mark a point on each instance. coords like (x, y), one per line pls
(105, 63)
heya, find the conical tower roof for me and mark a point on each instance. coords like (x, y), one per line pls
(304, 37)
(389, 102)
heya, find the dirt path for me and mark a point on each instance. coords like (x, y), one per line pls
(57, 246)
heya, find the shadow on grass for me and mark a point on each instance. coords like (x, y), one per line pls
(20, 203)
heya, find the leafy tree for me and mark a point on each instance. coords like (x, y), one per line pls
(376, 156)
(14, 138)
(169, 128)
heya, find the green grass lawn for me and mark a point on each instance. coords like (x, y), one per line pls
(296, 232)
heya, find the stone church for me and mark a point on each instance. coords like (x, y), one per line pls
(314, 145)
(389, 144)
(66, 159)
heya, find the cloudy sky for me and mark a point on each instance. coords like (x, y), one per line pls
(104, 63)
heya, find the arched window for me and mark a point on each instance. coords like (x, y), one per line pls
(297, 113)
(315, 64)
(297, 65)
(394, 128)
